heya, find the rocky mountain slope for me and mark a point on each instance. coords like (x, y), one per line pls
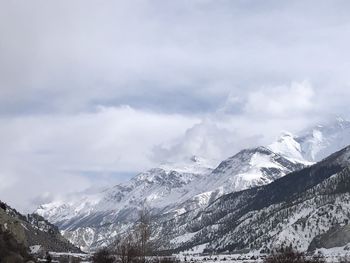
(182, 191)
(300, 210)
(33, 231)
(93, 220)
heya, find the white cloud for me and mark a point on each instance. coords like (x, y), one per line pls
(282, 101)
(206, 139)
(176, 63)
(170, 55)
(60, 153)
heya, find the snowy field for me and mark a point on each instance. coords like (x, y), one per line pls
(58, 257)
(221, 258)
(331, 255)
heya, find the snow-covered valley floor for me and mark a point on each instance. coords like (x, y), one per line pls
(337, 254)
(331, 255)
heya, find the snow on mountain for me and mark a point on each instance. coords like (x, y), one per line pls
(189, 186)
(192, 165)
(246, 169)
(250, 168)
(170, 189)
(156, 186)
(83, 217)
(61, 212)
(305, 209)
(314, 144)
(287, 146)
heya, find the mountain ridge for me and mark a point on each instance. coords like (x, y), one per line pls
(173, 190)
(234, 221)
(167, 192)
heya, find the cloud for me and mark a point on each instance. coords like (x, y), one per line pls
(162, 55)
(199, 77)
(281, 101)
(63, 153)
(206, 139)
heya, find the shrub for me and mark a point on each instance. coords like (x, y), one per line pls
(103, 256)
(167, 260)
(290, 256)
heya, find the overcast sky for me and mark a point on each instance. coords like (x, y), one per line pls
(92, 92)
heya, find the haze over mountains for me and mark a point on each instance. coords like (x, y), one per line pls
(314, 144)
(219, 117)
(180, 194)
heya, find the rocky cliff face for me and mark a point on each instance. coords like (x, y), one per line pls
(33, 230)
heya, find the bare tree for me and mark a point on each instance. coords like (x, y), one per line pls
(134, 247)
(103, 256)
(144, 231)
(128, 249)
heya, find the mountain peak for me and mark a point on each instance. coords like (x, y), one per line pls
(254, 166)
(251, 151)
(287, 146)
(193, 164)
(314, 144)
(323, 140)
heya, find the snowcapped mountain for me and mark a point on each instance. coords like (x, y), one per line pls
(157, 186)
(250, 168)
(88, 220)
(305, 209)
(182, 192)
(314, 144)
(92, 219)
(287, 146)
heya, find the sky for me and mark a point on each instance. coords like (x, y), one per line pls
(93, 92)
